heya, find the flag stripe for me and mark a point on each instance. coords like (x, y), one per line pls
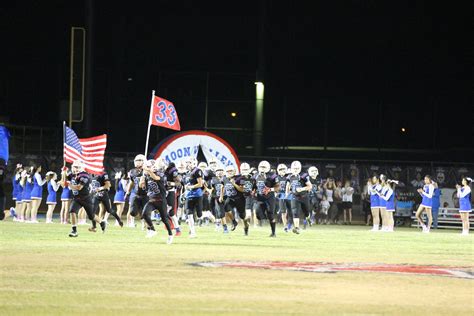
(92, 148)
(93, 142)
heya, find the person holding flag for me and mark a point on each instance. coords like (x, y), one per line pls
(87, 156)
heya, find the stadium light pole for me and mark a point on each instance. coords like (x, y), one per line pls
(258, 128)
(71, 74)
(259, 86)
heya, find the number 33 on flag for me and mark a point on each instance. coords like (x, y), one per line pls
(164, 114)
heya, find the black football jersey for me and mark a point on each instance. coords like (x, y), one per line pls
(84, 179)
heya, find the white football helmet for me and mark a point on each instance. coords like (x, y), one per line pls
(264, 166)
(139, 160)
(160, 163)
(313, 172)
(230, 171)
(295, 167)
(202, 165)
(219, 172)
(191, 163)
(77, 166)
(282, 169)
(213, 164)
(150, 164)
(245, 169)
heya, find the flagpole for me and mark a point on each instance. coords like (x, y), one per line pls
(149, 122)
(64, 142)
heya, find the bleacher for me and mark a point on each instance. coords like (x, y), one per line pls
(448, 217)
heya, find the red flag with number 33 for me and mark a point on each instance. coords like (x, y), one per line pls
(164, 114)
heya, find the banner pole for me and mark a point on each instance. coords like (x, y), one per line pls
(149, 122)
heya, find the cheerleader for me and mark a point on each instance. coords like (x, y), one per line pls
(17, 192)
(465, 208)
(373, 187)
(53, 187)
(36, 193)
(66, 196)
(389, 198)
(382, 189)
(121, 183)
(27, 184)
(426, 203)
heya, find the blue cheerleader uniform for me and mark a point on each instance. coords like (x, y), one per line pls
(66, 195)
(19, 193)
(389, 197)
(27, 191)
(119, 196)
(427, 199)
(464, 195)
(382, 202)
(374, 198)
(52, 188)
(37, 192)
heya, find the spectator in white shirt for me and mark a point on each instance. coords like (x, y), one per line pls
(324, 209)
(347, 192)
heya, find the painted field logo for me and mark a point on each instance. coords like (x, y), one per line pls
(328, 267)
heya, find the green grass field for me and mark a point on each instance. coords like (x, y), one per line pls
(43, 272)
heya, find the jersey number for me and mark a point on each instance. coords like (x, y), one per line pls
(166, 112)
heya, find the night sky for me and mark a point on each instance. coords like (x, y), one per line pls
(363, 69)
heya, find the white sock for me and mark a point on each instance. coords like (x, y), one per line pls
(174, 219)
(191, 224)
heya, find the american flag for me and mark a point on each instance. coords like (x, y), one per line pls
(90, 150)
